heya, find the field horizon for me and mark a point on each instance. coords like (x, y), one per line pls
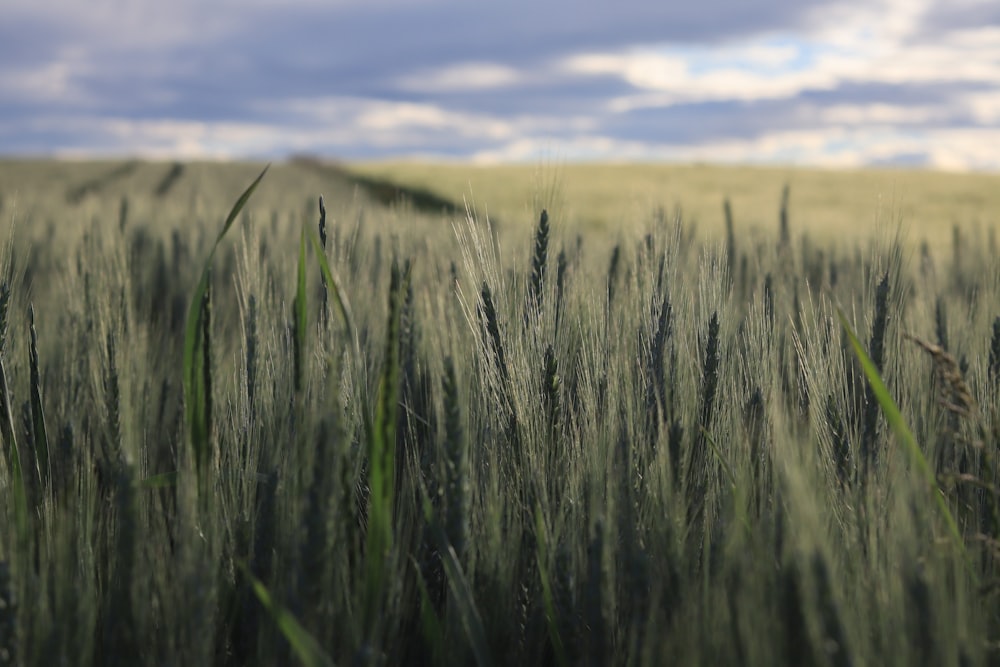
(832, 206)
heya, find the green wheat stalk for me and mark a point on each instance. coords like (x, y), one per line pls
(456, 457)
(197, 400)
(868, 446)
(13, 456)
(333, 285)
(459, 589)
(538, 264)
(548, 600)
(382, 453)
(301, 320)
(41, 438)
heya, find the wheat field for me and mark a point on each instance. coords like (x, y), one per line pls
(243, 425)
(832, 206)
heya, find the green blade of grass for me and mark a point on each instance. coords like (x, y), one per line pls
(730, 475)
(160, 481)
(4, 309)
(167, 479)
(902, 431)
(739, 508)
(429, 622)
(305, 646)
(543, 572)
(382, 450)
(37, 414)
(13, 456)
(238, 206)
(461, 595)
(459, 589)
(333, 286)
(301, 319)
(195, 395)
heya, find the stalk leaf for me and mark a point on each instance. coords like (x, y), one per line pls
(301, 319)
(461, 595)
(902, 431)
(458, 588)
(305, 646)
(543, 572)
(4, 309)
(13, 456)
(333, 285)
(382, 451)
(37, 414)
(160, 481)
(195, 394)
(429, 622)
(238, 206)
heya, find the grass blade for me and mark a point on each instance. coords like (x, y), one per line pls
(238, 206)
(456, 456)
(461, 595)
(429, 622)
(4, 310)
(196, 396)
(13, 456)
(301, 319)
(382, 451)
(902, 431)
(459, 589)
(37, 415)
(305, 646)
(160, 481)
(550, 607)
(333, 286)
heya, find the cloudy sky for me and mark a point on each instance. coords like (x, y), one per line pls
(826, 82)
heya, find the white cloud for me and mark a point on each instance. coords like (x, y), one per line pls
(878, 114)
(744, 72)
(376, 119)
(984, 107)
(841, 82)
(945, 148)
(396, 121)
(856, 50)
(465, 76)
(54, 82)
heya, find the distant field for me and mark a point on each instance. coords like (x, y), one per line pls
(831, 205)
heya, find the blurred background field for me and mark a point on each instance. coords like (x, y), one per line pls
(830, 205)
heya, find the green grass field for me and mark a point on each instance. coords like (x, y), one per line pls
(256, 434)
